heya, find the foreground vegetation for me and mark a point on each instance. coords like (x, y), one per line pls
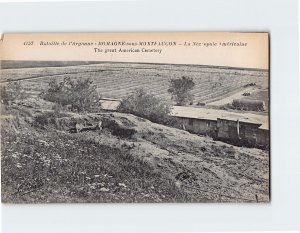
(56, 167)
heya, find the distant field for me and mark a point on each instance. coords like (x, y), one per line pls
(35, 64)
(116, 80)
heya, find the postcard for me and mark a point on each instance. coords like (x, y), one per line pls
(160, 117)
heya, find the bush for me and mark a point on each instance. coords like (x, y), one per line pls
(80, 95)
(47, 118)
(123, 132)
(146, 105)
(117, 128)
(44, 119)
(248, 104)
(11, 92)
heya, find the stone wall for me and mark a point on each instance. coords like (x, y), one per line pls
(237, 133)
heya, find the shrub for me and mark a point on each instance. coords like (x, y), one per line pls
(123, 132)
(11, 92)
(248, 104)
(117, 128)
(145, 105)
(201, 103)
(47, 118)
(80, 95)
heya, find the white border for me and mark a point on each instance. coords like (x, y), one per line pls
(279, 17)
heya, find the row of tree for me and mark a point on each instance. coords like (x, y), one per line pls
(81, 96)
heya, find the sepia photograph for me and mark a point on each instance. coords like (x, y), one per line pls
(135, 118)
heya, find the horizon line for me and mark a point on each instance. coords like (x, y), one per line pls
(154, 63)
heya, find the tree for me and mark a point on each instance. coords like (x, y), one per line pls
(145, 105)
(80, 95)
(181, 88)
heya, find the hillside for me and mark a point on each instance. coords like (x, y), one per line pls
(45, 161)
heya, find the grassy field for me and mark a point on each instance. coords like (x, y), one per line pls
(116, 80)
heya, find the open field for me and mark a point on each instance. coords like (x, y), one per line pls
(116, 80)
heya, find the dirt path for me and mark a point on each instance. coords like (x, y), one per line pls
(230, 98)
